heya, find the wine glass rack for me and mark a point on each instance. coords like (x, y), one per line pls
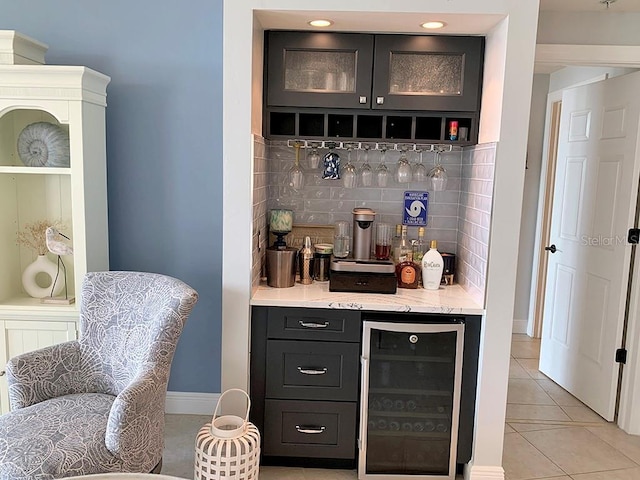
(387, 146)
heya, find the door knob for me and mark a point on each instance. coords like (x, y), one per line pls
(551, 249)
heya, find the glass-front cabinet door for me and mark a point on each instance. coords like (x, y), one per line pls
(410, 400)
(427, 72)
(331, 70)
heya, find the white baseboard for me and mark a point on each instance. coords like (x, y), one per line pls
(191, 403)
(472, 472)
(520, 325)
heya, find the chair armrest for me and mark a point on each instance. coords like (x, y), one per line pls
(135, 429)
(43, 374)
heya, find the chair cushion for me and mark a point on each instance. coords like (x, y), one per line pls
(61, 437)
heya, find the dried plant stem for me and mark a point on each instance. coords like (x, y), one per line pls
(33, 235)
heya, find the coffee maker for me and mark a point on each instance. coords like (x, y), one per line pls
(359, 272)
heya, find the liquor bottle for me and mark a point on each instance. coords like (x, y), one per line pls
(395, 242)
(419, 247)
(408, 274)
(403, 251)
(407, 271)
(432, 266)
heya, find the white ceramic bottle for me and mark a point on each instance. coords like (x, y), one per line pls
(432, 265)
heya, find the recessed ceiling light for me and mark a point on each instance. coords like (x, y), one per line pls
(431, 25)
(320, 23)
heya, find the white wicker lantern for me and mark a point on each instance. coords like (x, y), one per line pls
(228, 448)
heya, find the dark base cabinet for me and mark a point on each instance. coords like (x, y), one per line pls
(306, 380)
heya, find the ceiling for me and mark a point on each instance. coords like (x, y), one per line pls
(620, 6)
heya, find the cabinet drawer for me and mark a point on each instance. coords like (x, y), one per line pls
(310, 429)
(312, 370)
(314, 324)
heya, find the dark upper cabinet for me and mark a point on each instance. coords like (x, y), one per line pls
(317, 69)
(421, 72)
(362, 71)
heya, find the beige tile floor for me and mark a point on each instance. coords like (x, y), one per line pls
(548, 435)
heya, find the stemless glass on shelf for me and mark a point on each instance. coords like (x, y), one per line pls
(342, 239)
(383, 241)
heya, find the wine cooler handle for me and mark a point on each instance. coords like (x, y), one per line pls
(313, 324)
(312, 371)
(310, 430)
(364, 404)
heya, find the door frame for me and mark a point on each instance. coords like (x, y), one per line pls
(605, 56)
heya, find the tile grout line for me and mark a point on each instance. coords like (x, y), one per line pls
(541, 453)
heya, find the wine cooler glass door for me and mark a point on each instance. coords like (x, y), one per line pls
(410, 401)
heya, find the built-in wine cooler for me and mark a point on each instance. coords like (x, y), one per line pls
(410, 400)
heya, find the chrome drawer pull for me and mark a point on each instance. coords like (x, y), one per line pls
(312, 371)
(313, 324)
(310, 429)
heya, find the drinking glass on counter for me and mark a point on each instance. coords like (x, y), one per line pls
(342, 239)
(383, 241)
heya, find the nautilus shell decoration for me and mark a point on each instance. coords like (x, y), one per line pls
(44, 144)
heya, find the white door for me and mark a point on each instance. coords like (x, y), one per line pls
(594, 206)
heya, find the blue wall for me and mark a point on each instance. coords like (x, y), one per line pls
(164, 143)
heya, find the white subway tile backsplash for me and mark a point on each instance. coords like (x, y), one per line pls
(459, 218)
(363, 194)
(306, 218)
(437, 222)
(327, 205)
(444, 209)
(261, 194)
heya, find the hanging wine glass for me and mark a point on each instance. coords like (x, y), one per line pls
(438, 174)
(382, 172)
(403, 170)
(314, 157)
(366, 172)
(419, 170)
(349, 171)
(296, 174)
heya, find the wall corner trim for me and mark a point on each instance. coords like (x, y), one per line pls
(191, 403)
(472, 472)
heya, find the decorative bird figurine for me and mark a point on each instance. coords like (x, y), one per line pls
(58, 248)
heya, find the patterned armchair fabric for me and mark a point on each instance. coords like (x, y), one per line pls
(96, 405)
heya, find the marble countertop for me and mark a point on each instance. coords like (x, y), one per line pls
(448, 299)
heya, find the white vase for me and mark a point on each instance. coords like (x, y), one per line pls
(42, 264)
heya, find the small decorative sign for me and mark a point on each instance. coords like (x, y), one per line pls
(416, 205)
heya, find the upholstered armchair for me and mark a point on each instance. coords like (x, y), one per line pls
(96, 405)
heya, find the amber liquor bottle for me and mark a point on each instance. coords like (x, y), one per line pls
(408, 274)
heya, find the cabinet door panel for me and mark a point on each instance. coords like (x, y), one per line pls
(427, 73)
(310, 429)
(312, 370)
(25, 336)
(19, 337)
(314, 324)
(331, 70)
